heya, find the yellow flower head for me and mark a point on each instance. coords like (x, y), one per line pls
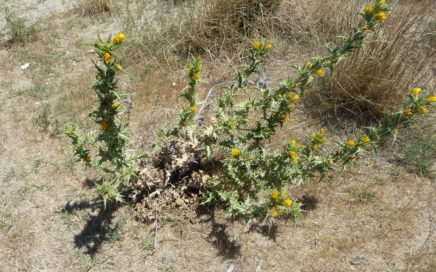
(268, 46)
(274, 212)
(197, 76)
(351, 143)
(314, 136)
(286, 119)
(235, 152)
(382, 1)
(293, 154)
(381, 16)
(119, 38)
(368, 9)
(107, 58)
(292, 106)
(431, 99)
(292, 96)
(115, 106)
(408, 112)
(365, 139)
(193, 109)
(293, 142)
(198, 58)
(322, 140)
(416, 91)
(423, 109)
(314, 147)
(320, 72)
(104, 125)
(119, 67)
(288, 202)
(256, 45)
(365, 27)
(322, 132)
(308, 64)
(275, 195)
(87, 158)
(279, 95)
(234, 127)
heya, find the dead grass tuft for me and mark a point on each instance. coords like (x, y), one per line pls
(376, 79)
(222, 24)
(94, 7)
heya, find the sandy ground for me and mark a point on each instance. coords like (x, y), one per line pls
(374, 217)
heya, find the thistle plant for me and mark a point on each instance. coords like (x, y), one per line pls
(107, 149)
(252, 181)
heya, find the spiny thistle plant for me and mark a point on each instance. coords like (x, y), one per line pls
(107, 149)
(250, 172)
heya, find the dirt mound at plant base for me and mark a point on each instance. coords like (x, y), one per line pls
(171, 178)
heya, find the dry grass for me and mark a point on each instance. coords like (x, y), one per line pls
(376, 79)
(223, 25)
(95, 7)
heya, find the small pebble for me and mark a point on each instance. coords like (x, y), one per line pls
(24, 66)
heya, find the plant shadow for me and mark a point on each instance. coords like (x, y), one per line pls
(99, 227)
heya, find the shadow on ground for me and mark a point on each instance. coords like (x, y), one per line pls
(99, 226)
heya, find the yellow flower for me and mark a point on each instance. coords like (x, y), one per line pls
(288, 202)
(119, 38)
(365, 27)
(293, 142)
(198, 58)
(292, 96)
(197, 76)
(408, 112)
(431, 99)
(235, 152)
(314, 147)
(275, 195)
(193, 109)
(274, 212)
(382, 1)
(416, 91)
(104, 125)
(365, 139)
(87, 158)
(286, 119)
(314, 136)
(322, 132)
(381, 16)
(234, 127)
(107, 58)
(115, 106)
(119, 67)
(268, 46)
(351, 143)
(292, 106)
(423, 109)
(320, 72)
(308, 64)
(368, 9)
(322, 140)
(279, 95)
(256, 45)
